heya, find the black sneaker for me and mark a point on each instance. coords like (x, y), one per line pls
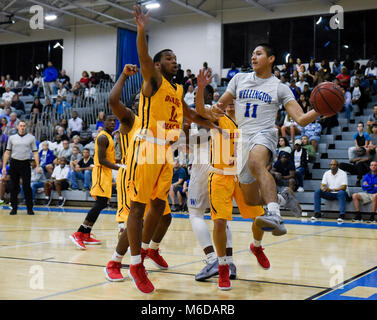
(13, 212)
(61, 202)
(371, 219)
(317, 215)
(357, 218)
(30, 212)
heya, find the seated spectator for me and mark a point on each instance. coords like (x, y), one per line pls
(57, 144)
(190, 95)
(7, 112)
(232, 72)
(304, 103)
(5, 184)
(358, 165)
(313, 131)
(7, 95)
(359, 97)
(284, 80)
(361, 139)
(65, 152)
(37, 85)
(300, 159)
(75, 157)
(100, 119)
(336, 68)
(76, 91)
(347, 107)
(216, 97)
(312, 154)
(58, 182)
(295, 90)
(64, 79)
(307, 92)
(333, 187)
(90, 93)
(83, 171)
(46, 158)
(371, 75)
(62, 91)
(37, 181)
(85, 134)
(372, 146)
(3, 143)
(369, 193)
(37, 104)
(283, 145)
(179, 176)
(47, 108)
(4, 124)
(19, 85)
(301, 83)
(12, 124)
(344, 78)
(61, 132)
(92, 145)
(74, 125)
(2, 85)
(372, 118)
(9, 82)
(76, 143)
(328, 123)
(284, 171)
(291, 127)
(84, 79)
(61, 106)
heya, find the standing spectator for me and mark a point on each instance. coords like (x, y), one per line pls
(74, 124)
(46, 157)
(369, 194)
(179, 176)
(344, 78)
(50, 75)
(58, 182)
(83, 171)
(333, 187)
(313, 131)
(85, 134)
(190, 95)
(18, 151)
(284, 171)
(361, 139)
(300, 159)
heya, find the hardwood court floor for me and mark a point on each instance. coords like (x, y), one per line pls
(38, 260)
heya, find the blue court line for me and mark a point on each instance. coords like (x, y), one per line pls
(207, 217)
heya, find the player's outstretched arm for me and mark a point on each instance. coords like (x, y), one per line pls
(295, 111)
(218, 110)
(203, 80)
(152, 78)
(125, 115)
(102, 143)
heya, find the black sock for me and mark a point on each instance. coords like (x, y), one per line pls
(85, 229)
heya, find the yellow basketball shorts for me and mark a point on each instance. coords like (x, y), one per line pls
(102, 180)
(222, 190)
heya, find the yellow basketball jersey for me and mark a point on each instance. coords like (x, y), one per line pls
(223, 148)
(161, 115)
(126, 138)
(110, 151)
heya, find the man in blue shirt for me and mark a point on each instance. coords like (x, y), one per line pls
(61, 105)
(50, 74)
(232, 72)
(179, 176)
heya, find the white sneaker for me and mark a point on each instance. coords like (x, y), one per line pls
(340, 220)
(300, 189)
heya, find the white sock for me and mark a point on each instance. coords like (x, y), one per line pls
(228, 237)
(222, 261)
(211, 257)
(144, 246)
(274, 208)
(281, 200)
(154, 245)
(117, 257)
(229, 259)
(257, 243)
(135, 259)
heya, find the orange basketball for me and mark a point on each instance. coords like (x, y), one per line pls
(327, 98)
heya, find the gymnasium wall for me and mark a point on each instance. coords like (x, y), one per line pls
(90, 48)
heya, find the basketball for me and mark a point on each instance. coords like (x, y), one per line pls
(327, 98)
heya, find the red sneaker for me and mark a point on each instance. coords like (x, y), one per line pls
(144, 254)
(261, 257)
(157, 259)
(112, 271)
(224, 281)
(139, 276)
(89, 240)
(77, 239)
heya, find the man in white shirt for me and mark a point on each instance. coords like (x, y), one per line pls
(7, 95)
(190, 95)
(334, 185)
(58, 182)
(74, 124)
(301, 83)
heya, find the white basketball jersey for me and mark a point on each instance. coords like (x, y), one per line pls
(257, 101)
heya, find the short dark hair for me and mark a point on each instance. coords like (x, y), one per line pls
(270, 51)
(87, 149)
(157, 57)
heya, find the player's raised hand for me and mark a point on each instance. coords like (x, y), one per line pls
(141, 19)
(130, 69)
(204, 78)
(217, 110)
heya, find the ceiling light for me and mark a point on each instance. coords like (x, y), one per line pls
(51, 17)
(287, 57)
(152, 5)
(319, 20)
(58, 45)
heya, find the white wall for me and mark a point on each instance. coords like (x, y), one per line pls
(89, 48)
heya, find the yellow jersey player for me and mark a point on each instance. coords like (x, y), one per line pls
(149, 157)
(104, 163)
(128, 123)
